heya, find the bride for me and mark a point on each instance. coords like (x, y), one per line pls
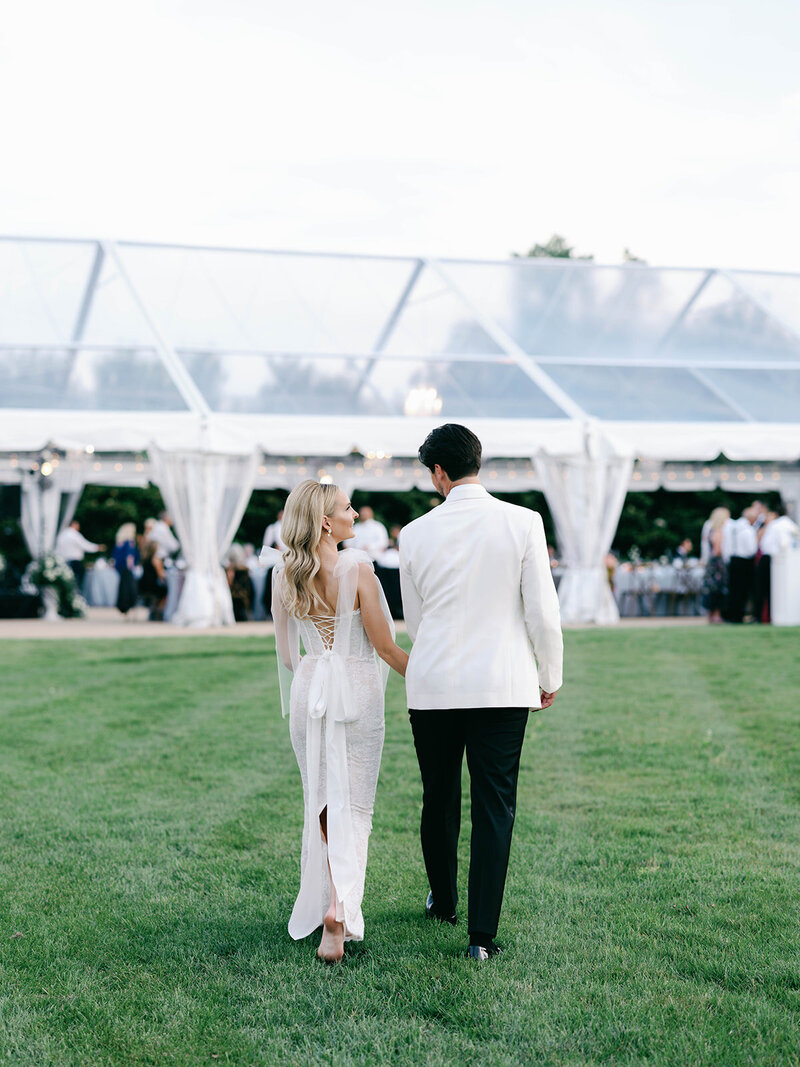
(334, 604)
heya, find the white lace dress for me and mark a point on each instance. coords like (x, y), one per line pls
(336, 709)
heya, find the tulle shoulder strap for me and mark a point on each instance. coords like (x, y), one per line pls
(287, 638)
(350, 557)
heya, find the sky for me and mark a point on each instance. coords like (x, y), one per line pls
(431, 127)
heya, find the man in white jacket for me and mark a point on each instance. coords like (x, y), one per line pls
(481, 609)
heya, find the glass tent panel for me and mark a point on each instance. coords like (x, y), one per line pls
(296, 333)
(267, 302)
(652, 394)
(86, 380)
(723, 323)
(766, 395)
(309, 385)
(572, 308)
(42, 285)
(113, 316)
(778, 293)
(434, 321)
(468, 388)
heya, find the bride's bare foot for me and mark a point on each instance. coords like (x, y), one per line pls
(331, 947)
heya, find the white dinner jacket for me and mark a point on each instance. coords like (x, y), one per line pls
(479, 601)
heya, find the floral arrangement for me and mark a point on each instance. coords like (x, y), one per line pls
(51, 572)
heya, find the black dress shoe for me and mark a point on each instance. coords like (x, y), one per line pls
(483, 952)
(432, 914)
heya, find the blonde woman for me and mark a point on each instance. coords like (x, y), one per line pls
(332, 602)
(126, 561)
(715, 581)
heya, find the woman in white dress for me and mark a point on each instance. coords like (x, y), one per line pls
(332, 602)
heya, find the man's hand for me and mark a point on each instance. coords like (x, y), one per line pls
(547, 698)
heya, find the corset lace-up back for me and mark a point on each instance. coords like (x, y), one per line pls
(326, 628)
(318, 633)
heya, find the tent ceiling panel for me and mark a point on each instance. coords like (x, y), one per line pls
(723, 322)
(86, 379)
(663, 394)
(767, 395)
(269, 302)
(472, 389)
(434, 321)
(112, 315)
(777, 293)
(567, 308)
(266, 336)
(309, 385)
(42, 284)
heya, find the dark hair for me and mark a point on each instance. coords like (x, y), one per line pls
(455, 448)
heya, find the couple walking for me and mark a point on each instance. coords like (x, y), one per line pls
(480, 604)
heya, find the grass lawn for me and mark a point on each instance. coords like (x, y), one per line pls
(151, 814)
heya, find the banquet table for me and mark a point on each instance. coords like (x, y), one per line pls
(100, 585)
(647, 589)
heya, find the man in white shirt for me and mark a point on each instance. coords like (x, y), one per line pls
(72, 546)
(778, 533)
(162, 536)
(481, 608)
(272, 534)
(370, 535)
(739, 547)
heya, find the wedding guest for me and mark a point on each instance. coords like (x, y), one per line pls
(239, 582)
(273, 539)
(163, 538)
(777, 534)
(272, 534)
(612, 562)
(741, 543)
(761, 513)
(153, 582)
(370, 535)
(387, 568)
(684, 549)
(72, 546)
(390, 557)
(250, 557)
(126, 562)
(715, 582)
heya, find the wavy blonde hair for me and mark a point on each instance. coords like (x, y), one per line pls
(718, 518)
(126, 532)
(301, 529)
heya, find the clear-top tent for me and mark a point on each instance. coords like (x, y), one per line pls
(168, 353)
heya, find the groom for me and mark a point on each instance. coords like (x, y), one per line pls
(479, 602)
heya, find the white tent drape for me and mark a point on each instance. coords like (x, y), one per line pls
(48, 504)
(585, 494)
(206, 494)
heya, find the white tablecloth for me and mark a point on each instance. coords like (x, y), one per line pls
(100, 586)
(658, 589)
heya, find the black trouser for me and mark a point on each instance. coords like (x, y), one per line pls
(741, 584)
(493, 740)
(763, 589)
(78, 568)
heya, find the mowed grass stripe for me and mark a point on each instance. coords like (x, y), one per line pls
(150, 857)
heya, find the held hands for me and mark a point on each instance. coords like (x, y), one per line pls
(547, 698)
